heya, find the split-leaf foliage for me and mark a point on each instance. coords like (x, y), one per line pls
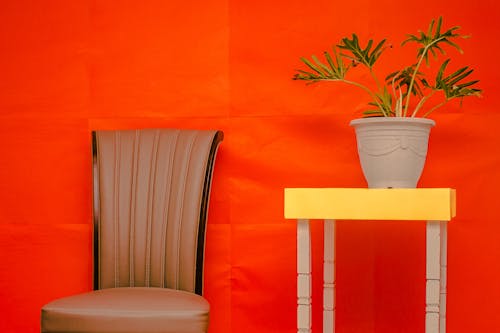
(391, 98)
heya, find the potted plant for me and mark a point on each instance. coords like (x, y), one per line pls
(392, 136)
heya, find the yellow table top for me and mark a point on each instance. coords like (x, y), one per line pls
(428, 204)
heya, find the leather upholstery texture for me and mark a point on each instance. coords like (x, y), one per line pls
(151, 194)
(128, 310)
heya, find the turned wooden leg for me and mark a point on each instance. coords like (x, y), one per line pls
(444, 255)
(436, 252)
(329, 277)
(303, 277)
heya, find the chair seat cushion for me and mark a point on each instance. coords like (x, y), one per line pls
(127, 310)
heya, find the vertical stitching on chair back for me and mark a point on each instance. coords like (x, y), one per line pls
(117, 152)
(178, 248)
(150, 203)
(133, 207)
(168, 193)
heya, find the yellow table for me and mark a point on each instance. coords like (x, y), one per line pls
(436, 206)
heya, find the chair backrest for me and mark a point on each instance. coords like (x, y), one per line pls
(151, 194)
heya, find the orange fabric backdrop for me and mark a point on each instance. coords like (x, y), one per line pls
(68, 67)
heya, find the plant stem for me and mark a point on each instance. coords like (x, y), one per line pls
(415, 73)
(372, 95)
(410, 87)
(436, 107)
(421, 103)
(359, 85)
(379, 86)
(398, 109)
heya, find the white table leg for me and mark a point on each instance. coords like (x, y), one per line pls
(304, 280)
(435, 309)
(444, 255)
(329, 277)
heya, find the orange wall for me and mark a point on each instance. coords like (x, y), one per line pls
(71, 66)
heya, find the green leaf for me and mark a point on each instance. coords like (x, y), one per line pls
(438, 27)
(431, 27)
(322, 66)
(441, 70)
(402, 79)
(452, 85)
(359, 54)
(455, 45)
(378, 49)
(333, 69)
(430, 41)
(468, 84)
(311, 66)
(373, 113)
(451, 80)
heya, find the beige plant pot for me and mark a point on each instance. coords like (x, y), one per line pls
(392, 150)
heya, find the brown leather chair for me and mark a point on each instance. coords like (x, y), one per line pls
(151, 195)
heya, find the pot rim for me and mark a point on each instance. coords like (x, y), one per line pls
(392, 120)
